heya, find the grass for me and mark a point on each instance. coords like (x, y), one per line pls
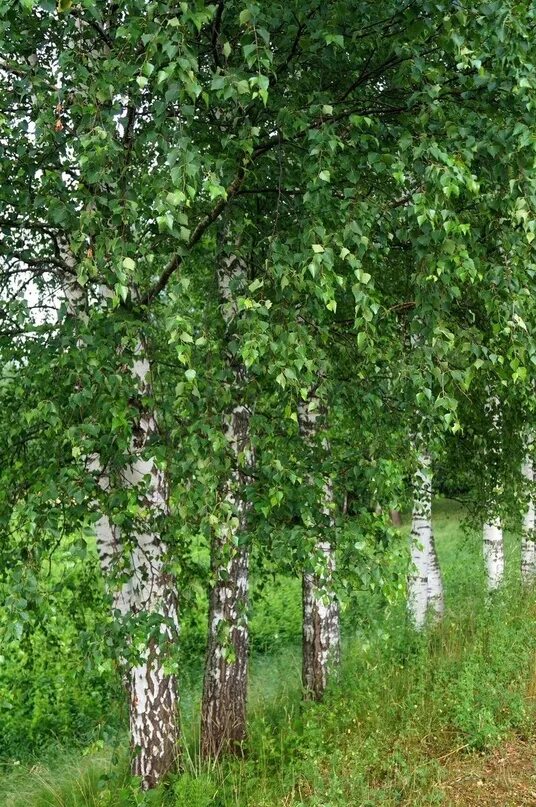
(410, 719)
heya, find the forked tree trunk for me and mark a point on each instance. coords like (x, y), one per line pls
(321, 624)
(528, 548)
(149, 594)
(425, 586)
(223, 712)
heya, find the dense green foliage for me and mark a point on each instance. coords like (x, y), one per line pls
(371, 168)
(58, 681)
(378, 180)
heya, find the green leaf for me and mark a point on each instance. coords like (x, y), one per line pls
(336, 39)
(256, 284)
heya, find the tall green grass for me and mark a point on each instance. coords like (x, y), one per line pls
(402, 707)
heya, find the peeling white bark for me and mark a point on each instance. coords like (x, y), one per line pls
(528, 547)
(425, 585)
(321, 624)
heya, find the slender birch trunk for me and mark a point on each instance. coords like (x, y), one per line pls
(150, 591)
(494, 553)
(154, 700)
(223, 712)
(425, 585)
(528, 547)
(492, 531)
(321, 628)
(421, 531)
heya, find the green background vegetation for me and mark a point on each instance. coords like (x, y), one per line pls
(404, 705)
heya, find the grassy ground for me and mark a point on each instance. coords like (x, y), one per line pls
(446, 718)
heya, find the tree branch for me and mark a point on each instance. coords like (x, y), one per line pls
(215, 33)
(197, 234)
(235, 187)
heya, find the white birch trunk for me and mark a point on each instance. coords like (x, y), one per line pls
(425, 585)
(150, 591)
(154, 701)
(223, 712)
(493, 539)
(321, 629)
(321, 623)
(494, 553)
(528, 548)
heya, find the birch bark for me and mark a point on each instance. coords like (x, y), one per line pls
(154, 701)
(223, 713)
(425, 585)
(494, 553)
(492, 531)
(321, 628)
(149, 595)
(528, 547)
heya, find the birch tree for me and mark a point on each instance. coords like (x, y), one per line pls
(149, 593)
(223, 720)
(528, 551)
(321, 629)
(492, 531)
(425, 586)
(406, 123)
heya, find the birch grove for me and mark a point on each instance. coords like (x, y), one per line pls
(160, 381)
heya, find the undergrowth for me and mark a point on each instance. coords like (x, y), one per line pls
(402, 707)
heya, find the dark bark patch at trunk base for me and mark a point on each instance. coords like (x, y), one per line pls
(154, 721)
(223, 714)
